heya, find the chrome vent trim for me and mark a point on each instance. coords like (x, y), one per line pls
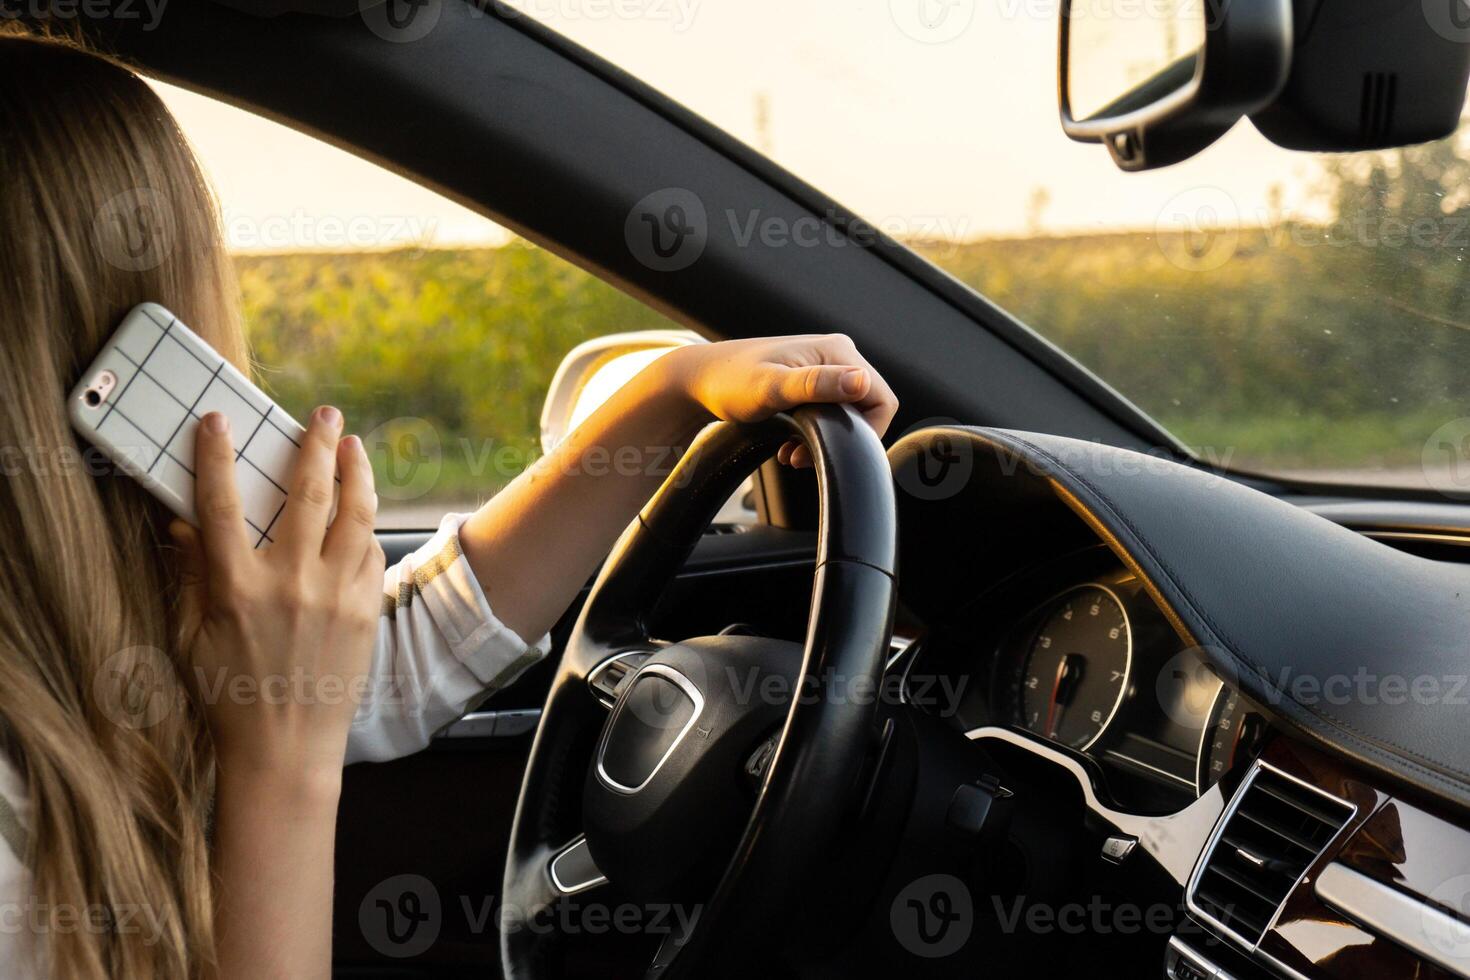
(1275, 828)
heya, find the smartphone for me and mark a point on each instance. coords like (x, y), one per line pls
(141, 401)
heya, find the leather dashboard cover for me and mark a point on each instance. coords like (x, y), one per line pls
(1361, 647)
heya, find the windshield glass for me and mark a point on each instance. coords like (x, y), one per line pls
(1303, 315)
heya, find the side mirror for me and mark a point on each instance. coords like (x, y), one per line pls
(593, 370)
(1161, 85)
(596, 368)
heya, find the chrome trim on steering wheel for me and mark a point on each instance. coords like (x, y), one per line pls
(680, 681)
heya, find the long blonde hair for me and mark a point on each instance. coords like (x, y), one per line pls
(102, 206)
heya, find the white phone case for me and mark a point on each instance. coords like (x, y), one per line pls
(141, 400)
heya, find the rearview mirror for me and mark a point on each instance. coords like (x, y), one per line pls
(1157, 81)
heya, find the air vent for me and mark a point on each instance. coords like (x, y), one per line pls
(1273, 831)
(1375, 108)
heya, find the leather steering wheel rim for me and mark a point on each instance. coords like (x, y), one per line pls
(817, 773)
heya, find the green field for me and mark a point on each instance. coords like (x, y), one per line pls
(1297, 347)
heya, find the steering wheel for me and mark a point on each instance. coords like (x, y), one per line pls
(719, 766)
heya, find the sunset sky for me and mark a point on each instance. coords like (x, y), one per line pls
(936, 116)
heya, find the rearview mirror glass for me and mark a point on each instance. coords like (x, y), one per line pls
(1116, 65)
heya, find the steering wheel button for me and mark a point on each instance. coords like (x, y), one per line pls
(652, 717)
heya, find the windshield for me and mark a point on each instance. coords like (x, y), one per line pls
(1302, 315)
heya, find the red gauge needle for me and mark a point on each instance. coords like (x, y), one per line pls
(1069, 672)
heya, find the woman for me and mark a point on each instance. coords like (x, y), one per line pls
(157, 822)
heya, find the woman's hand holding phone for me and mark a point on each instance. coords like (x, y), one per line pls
(281, 638)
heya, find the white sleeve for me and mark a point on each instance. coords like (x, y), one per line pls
(20, 941)
(439, 648)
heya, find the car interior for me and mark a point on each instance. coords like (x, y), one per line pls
(1053, 695)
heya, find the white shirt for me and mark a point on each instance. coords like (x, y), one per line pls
(439, 648)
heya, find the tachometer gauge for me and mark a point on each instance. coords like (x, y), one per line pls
(1232, 734)
(1075, 671)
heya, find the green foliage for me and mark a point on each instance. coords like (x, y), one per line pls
(1287, 347)
(466, 340)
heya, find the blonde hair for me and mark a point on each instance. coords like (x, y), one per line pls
(103, 206)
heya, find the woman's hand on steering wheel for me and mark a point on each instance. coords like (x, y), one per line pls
(751, 380)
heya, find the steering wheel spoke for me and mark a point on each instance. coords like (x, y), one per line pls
(611, 677)
(572, 869)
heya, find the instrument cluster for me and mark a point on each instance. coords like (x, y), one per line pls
(1076, 652)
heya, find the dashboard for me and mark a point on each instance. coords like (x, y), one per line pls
(1055, 600)
(1074, 650)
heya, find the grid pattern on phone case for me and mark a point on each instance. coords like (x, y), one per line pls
(174, 382)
